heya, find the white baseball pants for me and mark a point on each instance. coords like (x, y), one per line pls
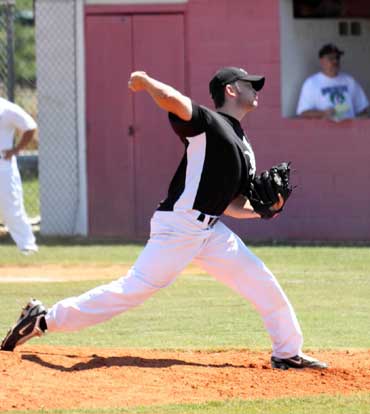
(12, 210)
(176, 239)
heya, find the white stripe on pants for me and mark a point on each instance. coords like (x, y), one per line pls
(176, 239)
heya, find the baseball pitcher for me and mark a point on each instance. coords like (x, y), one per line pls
(216, 176)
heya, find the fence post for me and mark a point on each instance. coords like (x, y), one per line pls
(9, 16)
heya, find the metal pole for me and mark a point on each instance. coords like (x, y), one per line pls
(9, 13)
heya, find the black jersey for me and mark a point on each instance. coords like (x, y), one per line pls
(217, 164)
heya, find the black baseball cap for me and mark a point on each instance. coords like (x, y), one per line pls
(231, 74)
(329, 49)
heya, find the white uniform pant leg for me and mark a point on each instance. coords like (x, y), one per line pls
(226, 257)
(12, 208)
(170, 248)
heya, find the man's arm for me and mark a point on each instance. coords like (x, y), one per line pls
(316, 114)
(25, 140)
(165, 96)
(328, 114)
(241, 208)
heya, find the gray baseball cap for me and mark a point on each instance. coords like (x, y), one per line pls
(231, 74)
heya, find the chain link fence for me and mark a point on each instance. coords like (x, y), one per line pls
(60, 151)
(18, 84)
(49, 165)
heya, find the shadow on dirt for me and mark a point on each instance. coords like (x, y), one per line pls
(124, 361)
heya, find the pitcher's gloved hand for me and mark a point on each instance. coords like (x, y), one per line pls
(265, 188)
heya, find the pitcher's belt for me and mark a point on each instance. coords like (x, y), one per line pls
(209, 220)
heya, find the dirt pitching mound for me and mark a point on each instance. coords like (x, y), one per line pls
(35, 377)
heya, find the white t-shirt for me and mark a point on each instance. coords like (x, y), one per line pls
(343, 93)
(12, 117)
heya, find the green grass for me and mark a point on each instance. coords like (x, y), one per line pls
(328, 287)
(356, 404)
(70, 252)
(31, 196)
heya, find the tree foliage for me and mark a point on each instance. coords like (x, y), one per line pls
(24, 43)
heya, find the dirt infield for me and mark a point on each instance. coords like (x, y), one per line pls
(35, 377)
(59, 273)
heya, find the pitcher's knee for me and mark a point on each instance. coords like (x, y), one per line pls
(134, 289)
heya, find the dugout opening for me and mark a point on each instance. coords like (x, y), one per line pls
(306, 25)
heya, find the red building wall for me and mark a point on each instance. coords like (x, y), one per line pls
(330, 160)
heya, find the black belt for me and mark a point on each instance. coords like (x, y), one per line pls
(211, 220)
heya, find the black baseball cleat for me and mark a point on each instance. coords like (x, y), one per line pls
(298, 362)
(31, 323)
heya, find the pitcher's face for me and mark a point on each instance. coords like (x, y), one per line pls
(247, 95)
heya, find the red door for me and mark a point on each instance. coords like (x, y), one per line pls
(131, 150)
(109, 114)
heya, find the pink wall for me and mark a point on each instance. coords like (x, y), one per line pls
(332, 201)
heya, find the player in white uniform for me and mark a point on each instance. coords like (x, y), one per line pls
(12, 211)
(215, 171)
(331, 94)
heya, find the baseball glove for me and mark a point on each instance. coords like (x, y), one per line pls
(264, 189)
